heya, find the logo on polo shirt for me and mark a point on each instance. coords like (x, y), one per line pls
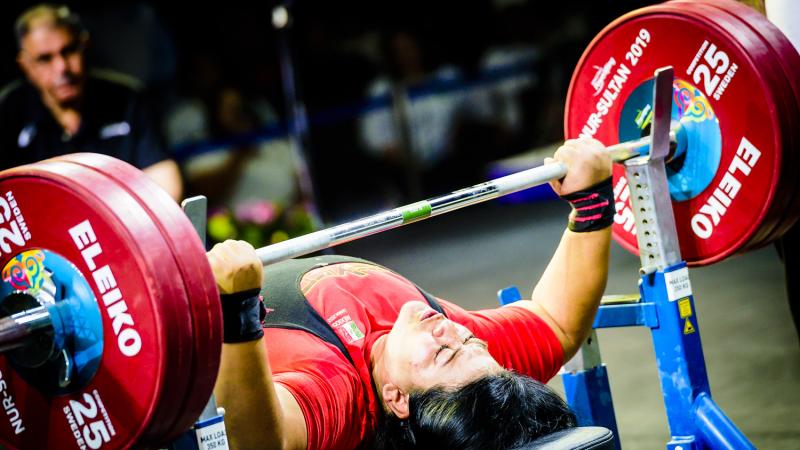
(345, 326)
(26, 136)
(115, 129)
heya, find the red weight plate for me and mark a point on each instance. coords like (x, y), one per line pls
(789, 59)
(719, 93)
(206, 314)
(172, 307)
(780, 208)
(142, 342)
(772, 73)
(178, 380)
(190, 253)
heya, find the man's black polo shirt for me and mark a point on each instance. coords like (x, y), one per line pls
(114, 121)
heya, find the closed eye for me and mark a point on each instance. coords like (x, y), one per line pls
(476, 341)
(439, 351)
(470, 339)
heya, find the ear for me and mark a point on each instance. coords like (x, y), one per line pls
(396, 400)
(22, 63)
(84, 37)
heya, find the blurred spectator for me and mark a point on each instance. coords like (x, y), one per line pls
(514, 54)
(411, 130)
(225, 115)
(249, 182)
(64, 107)
(443, 123)
(331, 74)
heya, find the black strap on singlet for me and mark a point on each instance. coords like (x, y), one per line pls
(290, 309)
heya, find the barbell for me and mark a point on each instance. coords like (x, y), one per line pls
(111, 323)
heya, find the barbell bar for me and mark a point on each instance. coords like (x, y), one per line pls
(387, 220)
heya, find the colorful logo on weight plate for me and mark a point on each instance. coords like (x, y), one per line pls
(26, 272)
(691, 103)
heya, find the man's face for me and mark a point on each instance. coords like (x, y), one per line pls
(424, 349)
(52, 59)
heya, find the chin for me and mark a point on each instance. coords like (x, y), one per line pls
(67, 96)
(67, 99)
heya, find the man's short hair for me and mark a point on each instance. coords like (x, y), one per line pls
(56, 16)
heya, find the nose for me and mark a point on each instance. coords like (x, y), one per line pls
(59, 64)
(443, 329)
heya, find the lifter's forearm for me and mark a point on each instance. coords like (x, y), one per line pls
(253, 415)
(573, 283)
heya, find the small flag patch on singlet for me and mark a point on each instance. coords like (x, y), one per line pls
(352, 330)
(345, 326)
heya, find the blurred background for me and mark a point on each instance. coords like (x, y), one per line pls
(340, 109)
(395, 100)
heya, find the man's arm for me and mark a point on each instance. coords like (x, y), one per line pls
(167, 175)
(259, 413)
(568, 294)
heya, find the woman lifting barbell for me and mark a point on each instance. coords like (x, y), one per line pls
(351, 353)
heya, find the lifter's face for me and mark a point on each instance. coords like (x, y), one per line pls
(52, 59)
(424, 349)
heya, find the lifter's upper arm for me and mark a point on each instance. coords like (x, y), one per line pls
(294, 422)
(568, 345)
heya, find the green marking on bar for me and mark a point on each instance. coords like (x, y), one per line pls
(416, 211)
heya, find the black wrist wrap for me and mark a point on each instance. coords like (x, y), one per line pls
(592, 208)
(242, 314)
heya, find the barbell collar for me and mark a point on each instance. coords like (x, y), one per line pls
(639, 147)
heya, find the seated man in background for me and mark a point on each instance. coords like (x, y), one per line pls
(64, 108)
(353, 355)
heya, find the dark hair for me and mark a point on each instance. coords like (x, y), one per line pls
(499, 411)
(59, 16)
